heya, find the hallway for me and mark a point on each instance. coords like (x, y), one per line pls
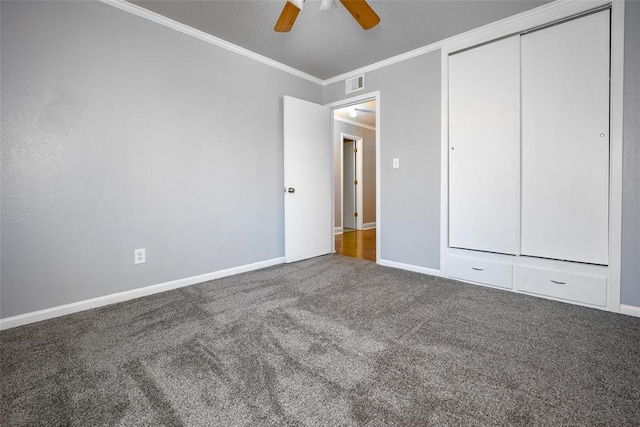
(357, 244)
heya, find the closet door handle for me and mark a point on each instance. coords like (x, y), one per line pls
(558, 283)
(477, 269)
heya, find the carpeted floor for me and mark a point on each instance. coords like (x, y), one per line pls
(327, 341)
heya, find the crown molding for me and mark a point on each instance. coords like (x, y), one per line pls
(511, 24)
(185, 29)
(384, 63)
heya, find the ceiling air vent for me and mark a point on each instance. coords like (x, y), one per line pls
(354, 84)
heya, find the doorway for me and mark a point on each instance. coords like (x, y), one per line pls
(356, 179)
(352, 182)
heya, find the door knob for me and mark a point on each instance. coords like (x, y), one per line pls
(291, 190)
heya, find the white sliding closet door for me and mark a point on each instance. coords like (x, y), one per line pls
(484, 147)
(565, 140)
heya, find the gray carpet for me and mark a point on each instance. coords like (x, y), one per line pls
(327, 341)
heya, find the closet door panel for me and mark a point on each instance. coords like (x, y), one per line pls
(565, 140)
(484, 147)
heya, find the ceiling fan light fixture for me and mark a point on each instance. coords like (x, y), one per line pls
(297, 3)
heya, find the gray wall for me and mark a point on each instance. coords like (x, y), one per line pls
(410, 130)
(630, 274)
(368, 169)
(119, 133)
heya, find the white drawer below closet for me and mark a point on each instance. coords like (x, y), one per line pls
(480, 271)
(588, 289)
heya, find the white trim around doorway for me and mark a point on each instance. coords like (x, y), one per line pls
(345, 103)
(359, 177)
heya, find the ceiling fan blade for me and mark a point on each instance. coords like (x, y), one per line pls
(287, 18)
(362, 13)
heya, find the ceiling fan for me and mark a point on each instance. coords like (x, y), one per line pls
(359, 9)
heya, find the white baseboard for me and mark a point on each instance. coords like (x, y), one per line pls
(368, 225)
(62, 310)
(630, 310)
(338, 230)
(410, 267)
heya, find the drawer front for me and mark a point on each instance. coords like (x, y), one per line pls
(582, 288)
(480, 271)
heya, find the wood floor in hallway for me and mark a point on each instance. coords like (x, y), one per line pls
(357, 244)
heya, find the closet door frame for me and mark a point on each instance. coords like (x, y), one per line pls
(538, 17)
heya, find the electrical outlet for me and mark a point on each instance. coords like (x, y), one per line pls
(396, 163)
(140, 256)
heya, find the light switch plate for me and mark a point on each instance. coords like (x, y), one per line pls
(396, 163)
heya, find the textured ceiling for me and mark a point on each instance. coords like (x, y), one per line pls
(327, 43)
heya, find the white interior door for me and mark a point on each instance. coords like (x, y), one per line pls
(307, 179)
(349, 189)
(565, 140)
(484, 147)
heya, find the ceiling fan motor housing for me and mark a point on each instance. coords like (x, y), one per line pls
(359, 9)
